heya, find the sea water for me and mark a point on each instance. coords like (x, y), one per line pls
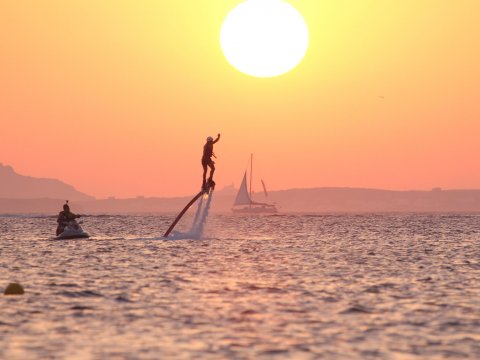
(333, 286)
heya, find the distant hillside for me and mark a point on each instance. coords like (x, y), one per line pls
(316, 200)
(16, 186)
(374, 200)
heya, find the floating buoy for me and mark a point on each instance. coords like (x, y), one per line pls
(14, 289)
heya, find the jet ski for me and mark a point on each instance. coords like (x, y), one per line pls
(73, 230)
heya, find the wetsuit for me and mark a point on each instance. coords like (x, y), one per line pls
(207, 160)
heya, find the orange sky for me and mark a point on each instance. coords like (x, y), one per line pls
(117, 97)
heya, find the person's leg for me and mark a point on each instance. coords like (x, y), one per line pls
(212, 170)
(204, 183)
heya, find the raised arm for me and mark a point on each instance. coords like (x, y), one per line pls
(218, 138)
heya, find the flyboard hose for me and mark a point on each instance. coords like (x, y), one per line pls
(177, 219)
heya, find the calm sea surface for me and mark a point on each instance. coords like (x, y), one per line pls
(285, 286)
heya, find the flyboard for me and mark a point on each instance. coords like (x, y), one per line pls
(207, 190)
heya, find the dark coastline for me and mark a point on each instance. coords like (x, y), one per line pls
(316, 200)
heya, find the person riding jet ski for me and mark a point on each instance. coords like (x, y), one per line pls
(64, 218)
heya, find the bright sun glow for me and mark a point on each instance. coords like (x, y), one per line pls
(264, 38)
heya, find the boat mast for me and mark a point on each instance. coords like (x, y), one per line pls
(251, 171)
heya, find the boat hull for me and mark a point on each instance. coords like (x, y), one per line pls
(256, 210)
(73, 235)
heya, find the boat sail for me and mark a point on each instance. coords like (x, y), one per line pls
(244, 202)
(242, 196)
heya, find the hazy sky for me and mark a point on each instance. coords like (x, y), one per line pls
(117, 97)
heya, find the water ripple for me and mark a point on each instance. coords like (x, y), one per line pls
(334, 286)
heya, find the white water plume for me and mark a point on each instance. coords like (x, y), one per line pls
(199, 221)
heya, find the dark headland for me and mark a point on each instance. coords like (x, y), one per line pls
(26, 195)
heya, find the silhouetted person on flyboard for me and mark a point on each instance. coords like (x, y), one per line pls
(64, 217)
(207, 161)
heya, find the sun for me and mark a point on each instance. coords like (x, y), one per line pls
(264, 38)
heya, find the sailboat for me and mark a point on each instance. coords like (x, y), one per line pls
(244, 203)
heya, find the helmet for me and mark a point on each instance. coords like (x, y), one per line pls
(209, 138)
